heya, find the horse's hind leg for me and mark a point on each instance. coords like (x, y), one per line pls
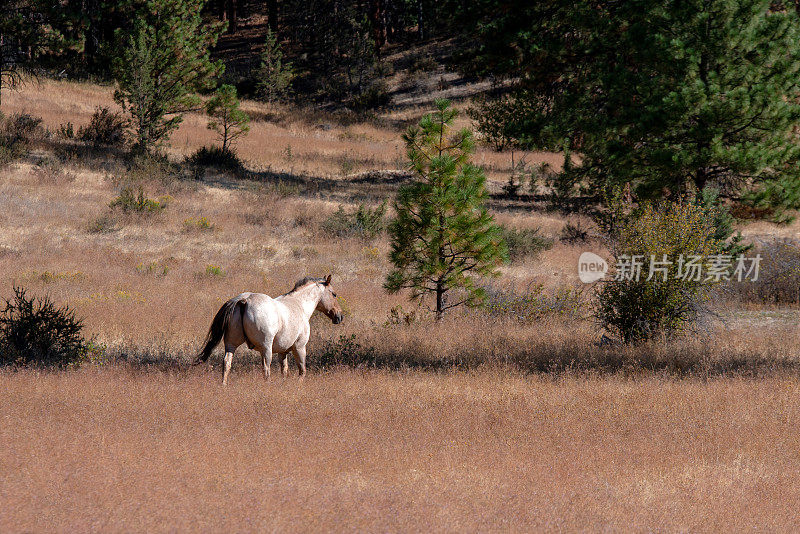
(234, 337)
(284, 361)
(229, 350)
(266, 360)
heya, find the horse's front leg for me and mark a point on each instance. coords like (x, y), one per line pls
(300, 359)
(284, 361)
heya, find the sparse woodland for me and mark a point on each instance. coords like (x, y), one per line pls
(448, 163)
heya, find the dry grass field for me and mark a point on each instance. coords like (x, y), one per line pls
(483, 422)
(281, 139)
(109, 450)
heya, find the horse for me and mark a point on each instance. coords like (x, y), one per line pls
(271, 325)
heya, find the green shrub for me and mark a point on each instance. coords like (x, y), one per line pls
(535, 303)
(497, 120)
(347, 165)
(563, 186)
(399, 317)
(347, 351)
(216, 157)
(104, 224)
(9, 153)
(520, 173)
(16, 134)
(201, 224)
(36, 332)
(512, 186)
(639, 309)
(722, 221)
(214, 271)
(373, 97)
(149, 168)
(778, 276)
(525, 242)
(23, 127)
(153, 268)
(227, 118)
(104, 128)
(66, 131)
(133, 200)
(365, 222)
(574, 234)
(423, 63)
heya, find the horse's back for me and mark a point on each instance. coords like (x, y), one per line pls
(262, 317)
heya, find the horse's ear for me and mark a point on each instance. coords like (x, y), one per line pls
(327, 280)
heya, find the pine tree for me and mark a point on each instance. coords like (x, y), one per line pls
(667, 96)
(163, 61)
(338, 54)
(30, 30)
(358, 58)
(274, 75)
(443, 237)
(722, 222)
(229, 121)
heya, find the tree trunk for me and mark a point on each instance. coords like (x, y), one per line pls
(377, 16)
(391, 18)
(440, 287)
(701, 179)
(439, 299)
(272, 13)
(233, 21)
(2, 60)
(420, 20)
(90, 10)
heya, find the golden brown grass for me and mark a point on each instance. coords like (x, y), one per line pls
(147, 284)
(281, 139)
(595, 438)
(109, 450)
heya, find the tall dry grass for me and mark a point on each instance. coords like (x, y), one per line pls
(148, 287)
(112, 450)
(281, 139)
(484, 421)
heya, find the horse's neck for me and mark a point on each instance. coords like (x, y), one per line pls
(307, 299)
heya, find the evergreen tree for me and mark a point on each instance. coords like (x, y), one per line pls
(338, 56)
(357, 59)
(722, 221)
(163, 61)
(229, 121)
(274, 75)
(667, 96)
(30, 30)
(443, 236)
(93, 25)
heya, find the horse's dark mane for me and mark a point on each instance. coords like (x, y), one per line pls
(303, 281)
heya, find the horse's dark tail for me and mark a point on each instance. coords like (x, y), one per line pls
(218, 327)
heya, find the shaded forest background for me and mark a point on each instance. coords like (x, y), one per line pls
(337, 48)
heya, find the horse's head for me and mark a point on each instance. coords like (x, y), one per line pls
(328, 304)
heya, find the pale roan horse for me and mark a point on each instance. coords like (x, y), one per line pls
(272, 325)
